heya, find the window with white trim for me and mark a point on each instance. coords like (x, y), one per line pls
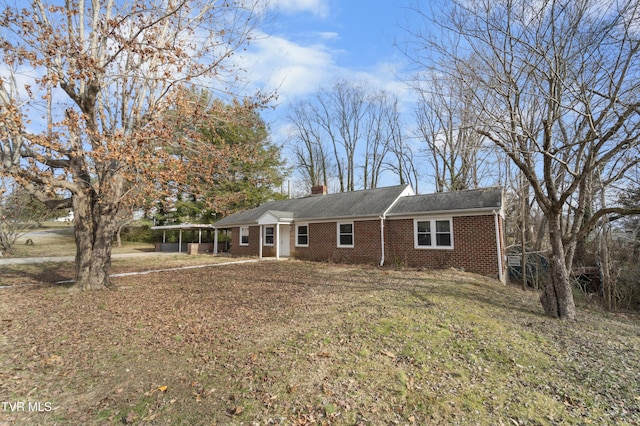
(244, 235)
(433, 233)
(345, 234)
(268, 235)
(302, 235)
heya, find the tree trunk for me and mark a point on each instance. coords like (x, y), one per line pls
(557, 295)
(83, 231)
(94, 228)
(119, 236)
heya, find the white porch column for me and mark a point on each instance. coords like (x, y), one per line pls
(260, 242)
(180, 242)
(215, 241)
(199, 235)
(276, 241)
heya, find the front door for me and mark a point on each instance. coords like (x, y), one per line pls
(284, 237)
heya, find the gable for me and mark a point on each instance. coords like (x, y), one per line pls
(271, 217)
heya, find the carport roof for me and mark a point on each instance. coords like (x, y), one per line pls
(185, 226)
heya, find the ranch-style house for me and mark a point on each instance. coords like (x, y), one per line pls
(391, 225)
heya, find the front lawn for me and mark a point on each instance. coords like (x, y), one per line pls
(307, 343)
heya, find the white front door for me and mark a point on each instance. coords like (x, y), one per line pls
(284, 237)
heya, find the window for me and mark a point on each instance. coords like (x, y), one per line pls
(345, 235)
(443, 233)
(268, 236)
(302, 235)
(244, 235)
(423, 233)
(433, 233)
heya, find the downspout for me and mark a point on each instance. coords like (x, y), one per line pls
(276, 240)
(498, 247)
(382, 219)
(382, 238)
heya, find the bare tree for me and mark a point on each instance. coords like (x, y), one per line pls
(401, 161)
(380, 124)
(341, 112)
(111, 70)
(353, 125)
(459, 156)
(310, 154)
(556, 86)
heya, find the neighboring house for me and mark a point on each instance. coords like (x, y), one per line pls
(389, 225)
(67, 218)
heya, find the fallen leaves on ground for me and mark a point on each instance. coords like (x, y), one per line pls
(307, 343)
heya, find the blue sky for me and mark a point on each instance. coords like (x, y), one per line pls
(312, 43)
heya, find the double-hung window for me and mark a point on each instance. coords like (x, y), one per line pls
(345, 235)
(433, 233)
(268, 235)
(244, 235)
(302, 235)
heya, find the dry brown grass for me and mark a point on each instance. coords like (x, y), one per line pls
(307, 343)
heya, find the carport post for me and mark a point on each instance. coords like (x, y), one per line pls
(215, 240)
(180, 242)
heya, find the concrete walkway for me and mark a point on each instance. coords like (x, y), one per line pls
(28, 260)
(35, 260)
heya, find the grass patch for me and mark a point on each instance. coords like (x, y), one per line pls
(57, 239)
(307, 343)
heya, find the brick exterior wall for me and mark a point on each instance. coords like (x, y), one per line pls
(323, 245)
(253, 249)
(474, 241)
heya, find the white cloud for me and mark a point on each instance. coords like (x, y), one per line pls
(319, 8)
(292, 69)
(329, 35)
(296, 70)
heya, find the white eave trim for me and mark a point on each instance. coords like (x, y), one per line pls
(446, 213)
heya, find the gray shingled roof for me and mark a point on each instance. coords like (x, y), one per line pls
(371, 202)
(474, 199)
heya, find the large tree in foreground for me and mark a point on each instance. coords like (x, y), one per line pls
(555, 85)
(84, 88)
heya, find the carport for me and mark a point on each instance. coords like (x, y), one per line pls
(189, 247)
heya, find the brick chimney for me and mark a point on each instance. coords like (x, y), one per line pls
(319, 190)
